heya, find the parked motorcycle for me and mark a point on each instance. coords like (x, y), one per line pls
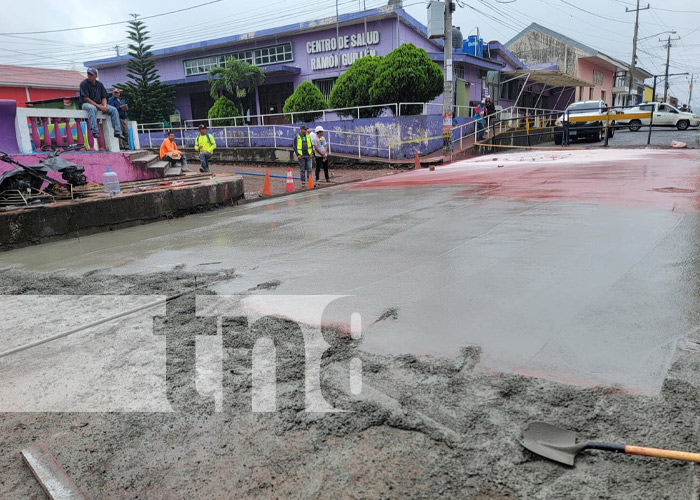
(32, 177)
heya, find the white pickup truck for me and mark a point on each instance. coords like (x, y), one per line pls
(664, 115)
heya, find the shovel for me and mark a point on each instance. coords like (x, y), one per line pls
(560, 445)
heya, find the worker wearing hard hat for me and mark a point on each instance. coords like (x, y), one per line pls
(320, 144)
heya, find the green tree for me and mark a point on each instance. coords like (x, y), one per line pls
(352, 88)
(149, 100)
(223, 108)
(406, 74)
(306, 97)
(229, 79)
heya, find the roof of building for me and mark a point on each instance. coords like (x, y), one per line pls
(315, 25)
(637, 69)
(23, 76)
(555, 79)
(553, 34)
(507, 54)
(570, 41)
(479, 62)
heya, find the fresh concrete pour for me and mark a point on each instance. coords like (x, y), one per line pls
(556, 289)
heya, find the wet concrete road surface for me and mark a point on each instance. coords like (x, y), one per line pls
(574, 266)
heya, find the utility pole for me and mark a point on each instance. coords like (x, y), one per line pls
(447, 106)
(116, 47)
(634, 47)
(668, 61)
(690, 90)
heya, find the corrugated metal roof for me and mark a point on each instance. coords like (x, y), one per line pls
(555, 79)
(22, 76)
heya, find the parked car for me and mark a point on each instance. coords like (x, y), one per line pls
(664, 115)
(594, 129)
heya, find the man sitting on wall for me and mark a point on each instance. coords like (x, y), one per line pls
(122, 107)
(205, 145)
(93, 97)
(169, 152)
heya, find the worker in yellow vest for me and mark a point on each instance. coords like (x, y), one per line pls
(205, 145)
(304, 152)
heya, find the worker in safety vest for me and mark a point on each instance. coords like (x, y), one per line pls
(304, 153)
(205, 145)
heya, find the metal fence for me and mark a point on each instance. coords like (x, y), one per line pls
(282, 136)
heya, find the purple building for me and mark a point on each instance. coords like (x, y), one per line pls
(317, 51)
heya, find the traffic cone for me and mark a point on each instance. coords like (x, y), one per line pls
(417, 162)
(311, 182)
(289, 187)
(267, 189)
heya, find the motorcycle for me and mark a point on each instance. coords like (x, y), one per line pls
(32, 177)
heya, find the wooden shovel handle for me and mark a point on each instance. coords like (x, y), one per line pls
(659, 453)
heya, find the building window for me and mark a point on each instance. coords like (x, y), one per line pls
(598, 78)
(459, 72)
(590, 94)
(259, 57)
(603, 96)
(325, 85)
(621, 82)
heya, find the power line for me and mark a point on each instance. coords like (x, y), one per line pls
(210, 28)
(594, 14)
(108, 24)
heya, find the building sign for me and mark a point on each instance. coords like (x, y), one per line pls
(342, 42)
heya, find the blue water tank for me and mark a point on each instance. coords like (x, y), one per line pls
(473, 45)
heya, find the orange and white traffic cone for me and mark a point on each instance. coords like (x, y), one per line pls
(267, 188)
(289, 187)
(417, 162)
(311, 182)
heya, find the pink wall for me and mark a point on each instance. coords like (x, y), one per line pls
(95, 165)
(585, 72)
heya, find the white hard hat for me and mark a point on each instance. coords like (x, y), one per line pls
(318, 129)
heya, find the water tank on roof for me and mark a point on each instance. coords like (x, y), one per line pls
(474, 46)
(457, 38)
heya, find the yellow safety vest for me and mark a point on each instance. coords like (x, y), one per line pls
(300, 142)
(206, 143)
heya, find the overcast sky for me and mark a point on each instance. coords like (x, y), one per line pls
(605, 26)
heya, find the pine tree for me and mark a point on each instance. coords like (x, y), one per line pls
(149, 100)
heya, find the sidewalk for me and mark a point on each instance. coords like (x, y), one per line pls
(253, 185)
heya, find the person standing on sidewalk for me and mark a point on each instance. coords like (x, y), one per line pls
(479, 114)
(490, 112)
(204, 144)
(304, 153)
(321, 151)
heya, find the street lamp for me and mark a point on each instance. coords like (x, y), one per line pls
(673, 32)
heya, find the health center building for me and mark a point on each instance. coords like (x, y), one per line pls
(318, 51)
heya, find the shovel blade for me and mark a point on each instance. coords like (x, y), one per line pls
(551, 442)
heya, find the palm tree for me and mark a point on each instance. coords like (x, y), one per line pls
(230, 76)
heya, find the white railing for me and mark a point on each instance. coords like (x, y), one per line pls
(397, 109)
(502, 121)
(57, 129)
(356, 112)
